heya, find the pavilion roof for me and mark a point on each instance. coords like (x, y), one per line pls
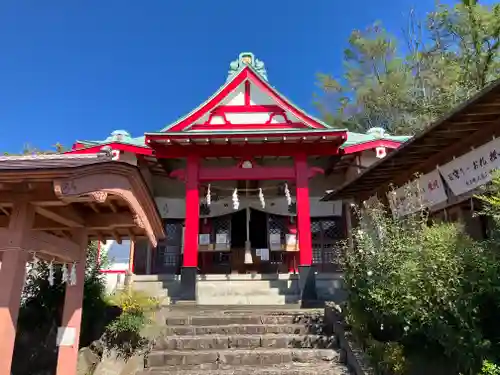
(469, 125)
(72, 191)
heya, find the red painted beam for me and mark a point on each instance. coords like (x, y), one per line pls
(233, 127)
(150, 138)
(223, 109)
(247, 92)
(246, 150)
(238, 173)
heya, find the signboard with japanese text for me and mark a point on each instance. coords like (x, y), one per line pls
(424, 192)
(473, 169)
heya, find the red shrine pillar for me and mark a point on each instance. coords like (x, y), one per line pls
(191, 231)
(307, 276)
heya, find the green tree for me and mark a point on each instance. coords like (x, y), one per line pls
(449, 56)
(28, 149)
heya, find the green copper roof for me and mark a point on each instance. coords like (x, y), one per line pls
(352, 138)
(136, 141)
(360, 138)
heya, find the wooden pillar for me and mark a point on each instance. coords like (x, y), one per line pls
(192, 225)
(12, 274)
(131, 256)
(69, 332)
(307, 274)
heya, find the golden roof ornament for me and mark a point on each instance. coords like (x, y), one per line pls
(247, 58)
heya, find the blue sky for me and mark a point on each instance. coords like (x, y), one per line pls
(80, 69)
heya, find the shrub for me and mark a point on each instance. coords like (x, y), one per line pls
(419, 286)
(489, 368)
(125, 334)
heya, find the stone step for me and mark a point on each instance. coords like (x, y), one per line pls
(229, 319)
(209, 342)
(223, 291)
(326, 368)
(214, 359)
(247, 299)
(238, 329)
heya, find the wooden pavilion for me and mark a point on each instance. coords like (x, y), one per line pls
(52, 206)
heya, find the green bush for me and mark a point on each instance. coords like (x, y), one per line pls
(489, 368)
(125, 334)
(422, 287)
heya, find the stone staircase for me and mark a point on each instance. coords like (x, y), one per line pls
(209, 341)
(237, 289)
(216, 290)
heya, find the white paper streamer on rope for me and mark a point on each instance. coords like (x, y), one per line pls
(50, 279)
(236, 201)
(65, 275)
(72, 277)
(261, 198)
(34, 266)
(209, 196)
(287, 195)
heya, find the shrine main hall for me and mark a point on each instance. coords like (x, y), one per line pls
(238, 184)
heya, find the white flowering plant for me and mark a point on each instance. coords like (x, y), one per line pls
(417, 285)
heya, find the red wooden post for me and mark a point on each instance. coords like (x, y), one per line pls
(303, 210)
(192, 226)
(307, 278)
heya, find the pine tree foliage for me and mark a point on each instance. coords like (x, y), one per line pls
(402, 87)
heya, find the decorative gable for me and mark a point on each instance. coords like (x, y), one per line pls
(246, 103)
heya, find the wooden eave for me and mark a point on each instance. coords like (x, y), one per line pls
(62, 189)
(252, 137)
(470, 125)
